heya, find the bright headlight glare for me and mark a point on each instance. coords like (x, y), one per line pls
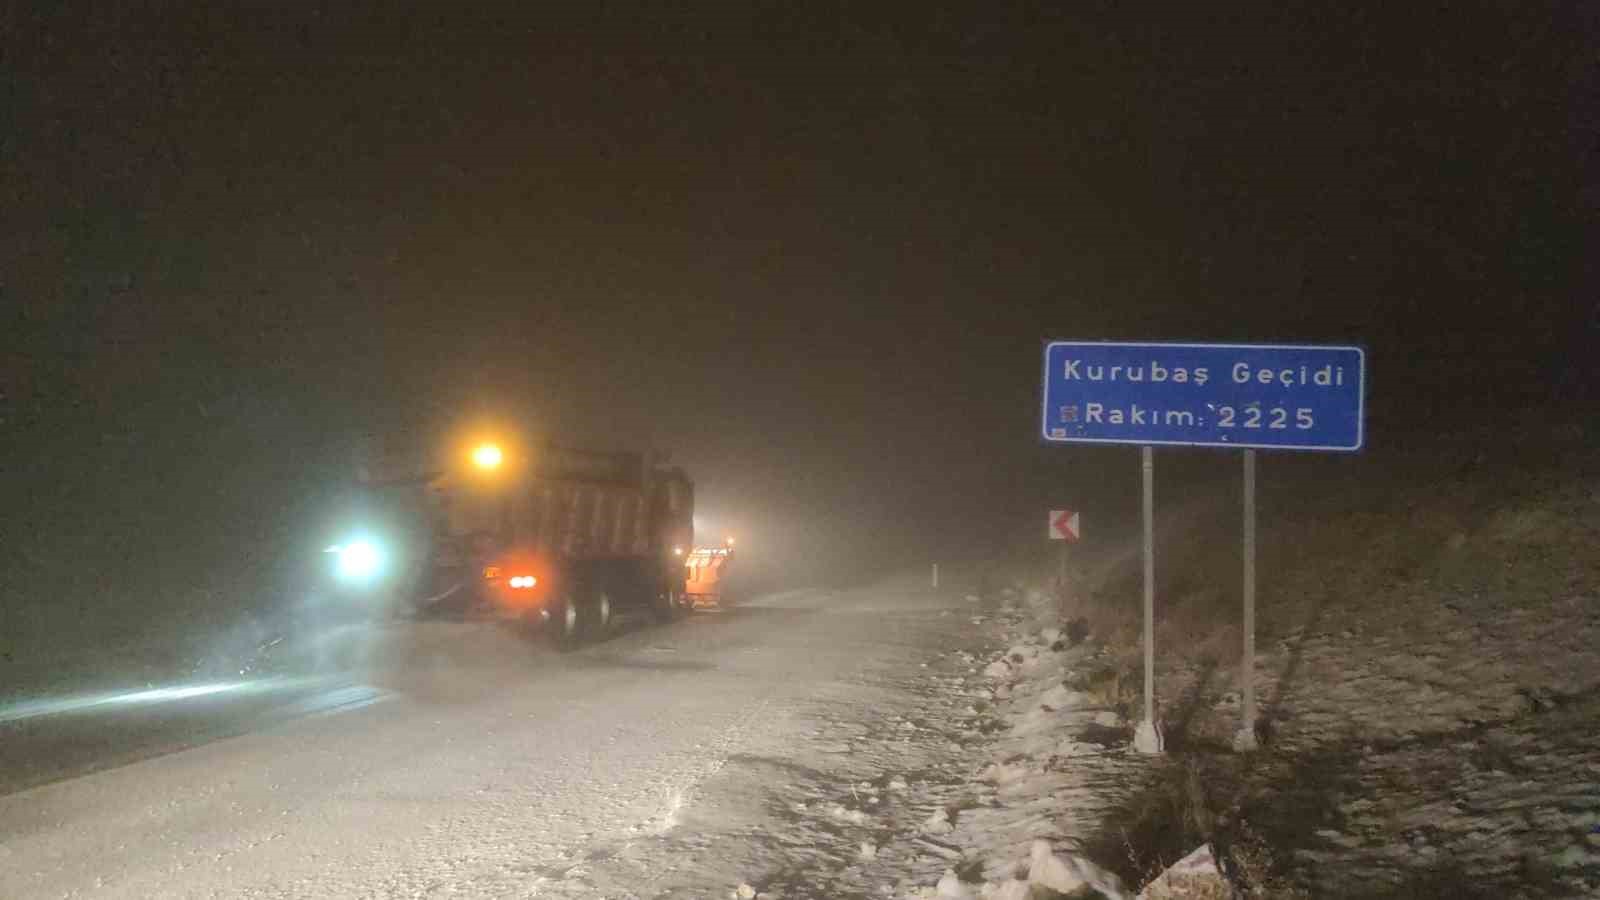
(359, 559)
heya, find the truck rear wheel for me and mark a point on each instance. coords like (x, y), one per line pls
(599, 609)
(566, 630)
(668, 605)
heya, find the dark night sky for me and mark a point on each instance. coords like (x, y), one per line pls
(812, 255)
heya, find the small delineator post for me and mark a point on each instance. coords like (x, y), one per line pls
(1061, 582)
(936, 576)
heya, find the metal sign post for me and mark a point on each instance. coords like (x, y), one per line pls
(1245, 738)
(1238, 396)
(1148, 738)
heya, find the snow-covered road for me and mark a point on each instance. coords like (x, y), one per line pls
(478, 763)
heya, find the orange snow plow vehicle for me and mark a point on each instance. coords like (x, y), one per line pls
(704, 572)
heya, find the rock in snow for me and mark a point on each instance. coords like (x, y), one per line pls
(1071, 873)
(1046, 869)
(951, 887)
(1021, 653)
(1194, 876)
(840, 811)
(1062, 697)
(1010, 890)
(745, 892)
(1107, 883)
(1070, 747)
(938, 823)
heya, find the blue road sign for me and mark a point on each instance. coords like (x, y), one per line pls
(1270, 397)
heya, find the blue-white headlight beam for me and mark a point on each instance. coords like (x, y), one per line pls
(358, 560)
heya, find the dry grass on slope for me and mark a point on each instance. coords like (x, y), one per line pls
(1429, 649)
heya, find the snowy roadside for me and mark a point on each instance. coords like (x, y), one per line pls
(1429, 675)
(247, 649)
(134, 663)
(1429, 751)
(1058, 762)
(293, 642)
(1429, 704)
(974, 758)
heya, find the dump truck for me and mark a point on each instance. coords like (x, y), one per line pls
(543, 533)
